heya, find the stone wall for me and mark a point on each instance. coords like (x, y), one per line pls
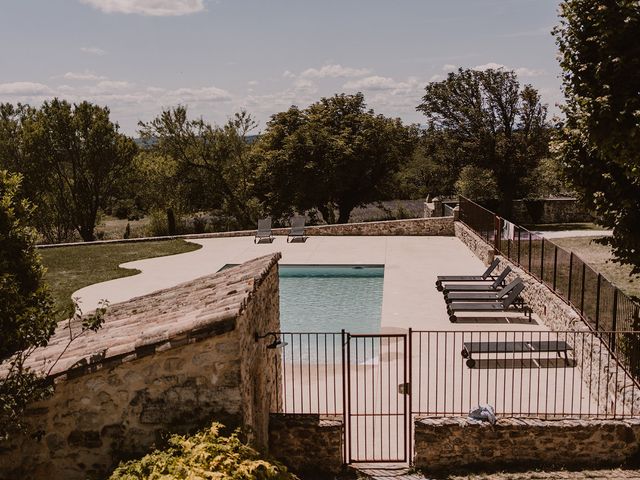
(609, 385)
(307, 443)
(550, 210)
(199, 363)
(452, 444)
(476, 244)
(441, 226)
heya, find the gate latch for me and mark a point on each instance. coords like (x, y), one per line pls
(404, 388)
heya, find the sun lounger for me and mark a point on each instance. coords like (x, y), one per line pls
(264, 231)
(496, 306)
(486, 276)
(478, 286)
(482, 296)
(297, 230)
(473, 348)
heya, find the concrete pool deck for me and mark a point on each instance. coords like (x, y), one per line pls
(412, 263)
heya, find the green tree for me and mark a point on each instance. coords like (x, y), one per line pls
(599, 140)
(491, 123)
(336, 154)
(79, 155)
(212, 164)
(26, 306)
(476, 183)
(53, 219)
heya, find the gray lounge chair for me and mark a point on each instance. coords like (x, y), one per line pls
(482, 296)
(496, 306)
(297, 230)
(264, 231)
(486, 276)
(478, 286)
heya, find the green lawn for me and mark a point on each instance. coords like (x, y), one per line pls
(600, 258)
(560, 227)
(71, 268)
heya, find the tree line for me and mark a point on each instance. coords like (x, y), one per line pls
(485, 137)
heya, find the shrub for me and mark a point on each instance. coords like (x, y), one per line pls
(204, 455)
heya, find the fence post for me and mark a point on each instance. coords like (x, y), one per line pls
(519, 231)
(555, 266)
(345, 413)
(614, 319)
(598, 301)
(497, 225)
(529, 268)
(542, 261)
(584, 274)
(570, 276)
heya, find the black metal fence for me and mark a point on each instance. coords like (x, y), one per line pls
(520, 373)
(600, 303)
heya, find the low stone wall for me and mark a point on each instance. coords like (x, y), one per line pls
(307, 443)
(171, 362)
(477, 245)
(440, 226)
(451, 444)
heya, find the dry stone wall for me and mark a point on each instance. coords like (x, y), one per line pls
(450, 444)
(170, 381)
(440, 226)
(307, 443)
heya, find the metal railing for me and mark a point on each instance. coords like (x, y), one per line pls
(602, 305)
(520, 373)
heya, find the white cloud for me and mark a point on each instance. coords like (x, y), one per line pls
(86, 75)
(490, 66)
(112, 85)
(449, 67)
(93, 51)
(24, 89)
(334, 71)
(529, 72)
(288, 74)
(204, 94)
(157, 8)
(520, 71)
(253, 83)
(373, 83)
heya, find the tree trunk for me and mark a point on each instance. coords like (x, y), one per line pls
(171, 221)
(344, 213)
(86, 232)
(327, 213)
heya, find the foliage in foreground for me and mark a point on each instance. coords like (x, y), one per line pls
(205, 455)
(26, 320)
(599, 142)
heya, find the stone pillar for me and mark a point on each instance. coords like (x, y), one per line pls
(456, 214)
(437, 207)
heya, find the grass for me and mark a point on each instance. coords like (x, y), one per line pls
(561, 227)
(71, 268)
(600, 258)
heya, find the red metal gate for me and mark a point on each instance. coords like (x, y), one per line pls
(377, 408)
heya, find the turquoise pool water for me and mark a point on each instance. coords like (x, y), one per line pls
(328, 298)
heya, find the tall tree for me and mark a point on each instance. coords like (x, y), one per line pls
(213, 164)
(492, 122)
(71, 157)
(599, 140)
(53, 220)
(334, 154)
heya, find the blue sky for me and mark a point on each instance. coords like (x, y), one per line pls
(220, 56)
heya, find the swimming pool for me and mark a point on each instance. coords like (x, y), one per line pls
(328, 298)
